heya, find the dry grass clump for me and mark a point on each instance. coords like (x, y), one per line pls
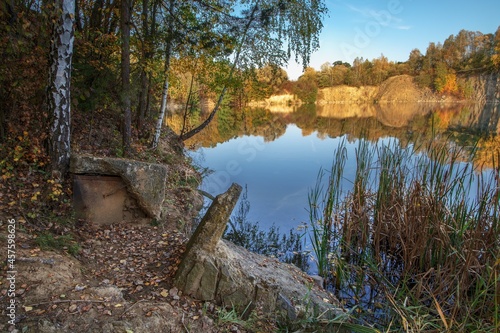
(415, 243)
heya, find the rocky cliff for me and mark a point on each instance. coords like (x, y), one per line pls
(484, 114)
(402, 88)
(400, 97)
(396, 89)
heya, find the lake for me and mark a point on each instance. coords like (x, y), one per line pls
(377, 242)
(277, 152)
(277, 174)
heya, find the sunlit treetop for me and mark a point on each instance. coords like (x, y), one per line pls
(278, 30)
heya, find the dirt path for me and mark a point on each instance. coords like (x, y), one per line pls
(121, 281)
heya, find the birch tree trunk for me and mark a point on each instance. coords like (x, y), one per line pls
(163, 109)
(164, 96)
(59, 97)
(199, 128)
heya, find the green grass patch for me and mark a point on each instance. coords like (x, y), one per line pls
(48, 241)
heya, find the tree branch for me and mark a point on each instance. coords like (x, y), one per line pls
(199, 128)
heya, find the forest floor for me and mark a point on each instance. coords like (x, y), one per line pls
(70, 275)
(120, 281)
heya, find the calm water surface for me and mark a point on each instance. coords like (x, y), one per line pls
(280, 168)
(278, 174)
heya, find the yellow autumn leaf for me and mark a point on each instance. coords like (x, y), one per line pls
(164, 293)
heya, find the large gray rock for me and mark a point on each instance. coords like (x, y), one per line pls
(144, 181)
(233, 276)
(215, 270)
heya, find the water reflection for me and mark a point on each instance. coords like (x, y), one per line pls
(393, 205)
(278, 151)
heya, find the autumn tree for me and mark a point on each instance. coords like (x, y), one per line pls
(380, 70)
(446, 79)
(306, 88)
(270, 31)
(265, 82)
(325, 75)
(59, 97)
(357, 73)
(192, 30)
(97, 60)
(496, 52)
(415, 61)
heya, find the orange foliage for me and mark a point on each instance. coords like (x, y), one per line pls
(451, 85)
(447, 84)
(488, 153)
(443, 117)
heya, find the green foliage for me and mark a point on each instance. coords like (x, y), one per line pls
(466, 89)
(495, 58)
(48, 241)
(314, 322)
(96, 65)
(227, 123)
(264, 82)
(306, 87)
(440, 77)
(322, 205)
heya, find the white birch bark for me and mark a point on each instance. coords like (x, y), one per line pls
(59, 97)
(164, 96)
(163, 110)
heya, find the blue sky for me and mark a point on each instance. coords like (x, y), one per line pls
(364, 28)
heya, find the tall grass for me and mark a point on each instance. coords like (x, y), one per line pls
(415, 242)
(323, 206)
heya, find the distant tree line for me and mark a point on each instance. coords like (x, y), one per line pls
(438, 68)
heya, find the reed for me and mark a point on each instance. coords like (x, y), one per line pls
(418, 231)
(323, 205)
